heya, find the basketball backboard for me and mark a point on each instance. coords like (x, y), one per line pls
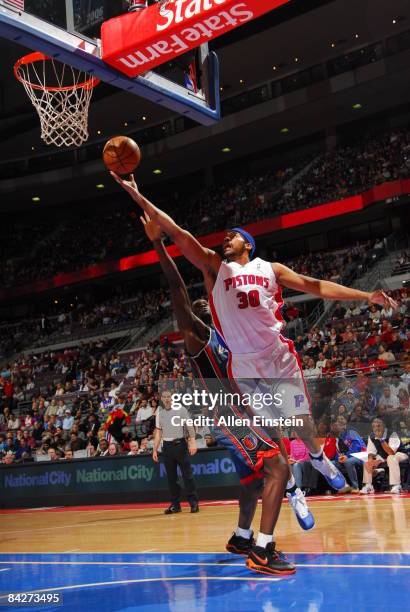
(69, 30)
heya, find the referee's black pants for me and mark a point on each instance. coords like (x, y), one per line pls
(176, 454)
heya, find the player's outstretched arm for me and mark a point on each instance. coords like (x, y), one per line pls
(195, 332)
(326, 289)
(205, 259)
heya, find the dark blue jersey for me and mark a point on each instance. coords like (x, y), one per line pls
(211, 363)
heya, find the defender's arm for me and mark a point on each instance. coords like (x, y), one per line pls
(195, 332)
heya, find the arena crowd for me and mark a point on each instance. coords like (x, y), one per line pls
(90, 401)
(124, 307)
(70, 245)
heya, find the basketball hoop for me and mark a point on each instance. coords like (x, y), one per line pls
(61, 96)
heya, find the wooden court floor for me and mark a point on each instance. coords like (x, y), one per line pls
(343, 524)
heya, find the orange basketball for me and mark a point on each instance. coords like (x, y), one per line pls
(121, 155)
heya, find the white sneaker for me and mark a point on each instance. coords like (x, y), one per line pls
(368, 488)
(396, 489)
(333, 476)
(299, 506)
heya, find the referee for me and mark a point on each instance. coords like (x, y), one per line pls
(176, 452)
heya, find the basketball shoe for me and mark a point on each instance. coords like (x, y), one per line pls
(269, 561)
(239, 545)
(367, 488)
(299, 506)
(332, 475)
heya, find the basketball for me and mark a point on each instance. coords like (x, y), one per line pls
(121, 155)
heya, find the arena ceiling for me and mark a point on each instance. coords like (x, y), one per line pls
(249, 55)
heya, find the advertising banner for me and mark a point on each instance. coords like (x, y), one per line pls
(139, 41)
(110, 476)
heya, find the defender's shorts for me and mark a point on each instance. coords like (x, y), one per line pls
(248, 446)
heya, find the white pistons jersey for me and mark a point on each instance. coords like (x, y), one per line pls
(245, 303)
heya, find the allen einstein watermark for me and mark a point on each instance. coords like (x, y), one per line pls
(203, 399)
(256, 420)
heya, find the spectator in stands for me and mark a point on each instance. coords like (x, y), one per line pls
(339, 311)
(8, 458)
(51, 424)
(29, 439)
(388, 400)
(91, 450)
(354, 310)
(76, 443)
(359, 418)
(52, 453)
(23, 449)
(61, 410)
(145, 420)
(386, 355)
(27, 420)
(14, 422)
(374, 314)
(348, 442)
(11, 444)
(405, 377)
(114, 391)
(386, 313)
(321, 362)
(60, 389)
(384, 447)
(403, 400)
(396, 344)
(91, 424)
(350, 347)
(144, 448)
(113, 449)
(133, 448)
(311, 371)
(106, 403)
(4, 418)
(37, 431)
(102, 448)
(325, 438)
(8, 391)
(68, 422)
(68, 454)
(342, 411)
(299, 460)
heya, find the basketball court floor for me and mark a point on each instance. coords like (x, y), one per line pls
(133, 557)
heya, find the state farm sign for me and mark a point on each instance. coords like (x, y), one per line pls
(137, 42)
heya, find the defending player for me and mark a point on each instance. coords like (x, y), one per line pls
(245, 300)
(209, 358)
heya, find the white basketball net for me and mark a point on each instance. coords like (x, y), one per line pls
(61, 96)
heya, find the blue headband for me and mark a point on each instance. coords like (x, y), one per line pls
(247, 237)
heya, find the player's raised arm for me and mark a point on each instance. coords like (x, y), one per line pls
(326, 289)
(205, 259)
(195, 332)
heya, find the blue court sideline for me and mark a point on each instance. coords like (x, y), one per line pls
(192, 582)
